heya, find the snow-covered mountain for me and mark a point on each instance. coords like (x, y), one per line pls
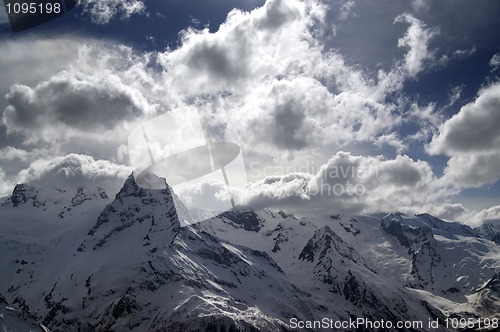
(76, 260)
(490, 230)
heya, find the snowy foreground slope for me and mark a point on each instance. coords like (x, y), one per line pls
(77, 260)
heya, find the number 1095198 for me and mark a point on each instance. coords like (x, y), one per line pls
(33, 8)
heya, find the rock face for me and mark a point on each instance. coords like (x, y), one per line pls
(84, 194)
(490, 230)
(24, 193)
(74, 260)
(488, 297)
(138, 209)
(49, 199)
(421, 246)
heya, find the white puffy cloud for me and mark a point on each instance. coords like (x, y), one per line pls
(5, 184)
(472, 171)
(486, 215)
(391, 139)
(12, 153)
(247, 49)
(74, 170)
(474, 128)
(347, 183)
(416, 40)
(73, 100)
(264, 79)
(29, 60)
(263, 71)
(472, 140)
(449, 212)
(90, 106)
(103, 11)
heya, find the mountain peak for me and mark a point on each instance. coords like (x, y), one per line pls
(152, 211)
(23, 193)
(139, 186)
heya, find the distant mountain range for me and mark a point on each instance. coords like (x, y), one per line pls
(77, 260)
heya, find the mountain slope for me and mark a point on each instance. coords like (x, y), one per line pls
(75, 260)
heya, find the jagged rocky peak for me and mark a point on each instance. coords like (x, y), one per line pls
(23, 193)
(406, 233)
(152, 190)
(488, 301)
(444, 227)
(152, 211)
(38, 196)
(248, 220)
(321, 242)
(490, 230)
(417, 236)
(85, 194)
(391, 218)
(141, 185)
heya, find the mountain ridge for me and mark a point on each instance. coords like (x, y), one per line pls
(113, 267)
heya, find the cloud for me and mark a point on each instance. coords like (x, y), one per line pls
(472, 171)
(75, 100)
(486, 215)
(495, 62)
(74, 170)
(264, 79)
(472, 140)
(5, 184)
(416, 40)
(391, 139)
(12, 153)
(263, 71)
(347, 184)
(473, 128)
(87, 102)
(89, 106)
(421, 5)
(103, 11)
(29, 60)
(448, 211)
(464, 53)
(246, 49)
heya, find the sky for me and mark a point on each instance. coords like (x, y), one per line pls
(338, 106)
